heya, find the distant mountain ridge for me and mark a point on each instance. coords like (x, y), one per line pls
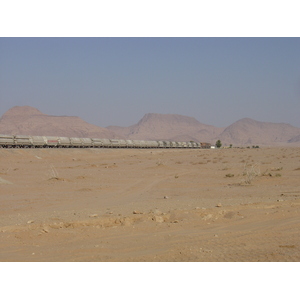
(248, 132)
(26, 120)
(30, 121)
(168, 127)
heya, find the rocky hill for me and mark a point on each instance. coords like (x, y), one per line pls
(169, 127)
(26, 120)
(295, 139)
(250, 132)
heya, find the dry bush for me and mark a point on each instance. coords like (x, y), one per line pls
(276, 169)
(250, 172)
(229, 175)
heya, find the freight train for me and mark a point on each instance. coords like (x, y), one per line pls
(26, 141)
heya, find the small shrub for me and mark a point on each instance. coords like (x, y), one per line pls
(276, 169)
(229, 175)
(251, 171)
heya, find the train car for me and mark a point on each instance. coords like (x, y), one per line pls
(76, 142)
(64, 142)
(86, 142)
(147, 144)
(143, 144)
(122, 144)
(6, 141)
(115, 143)
(129, 143)
(51, 141)
(97, 143)
(23, 141)
(183, 144)
(135, 143)
(178, 144)
(151, 144)
(106, 143)
(38, 141)
(160, 144)
(167, 144)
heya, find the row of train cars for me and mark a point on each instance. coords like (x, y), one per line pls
(26, 141)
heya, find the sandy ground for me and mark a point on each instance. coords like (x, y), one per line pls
(150, 205)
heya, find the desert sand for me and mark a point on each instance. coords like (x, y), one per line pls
(210, 205)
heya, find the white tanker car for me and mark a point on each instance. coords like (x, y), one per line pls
(26, 141)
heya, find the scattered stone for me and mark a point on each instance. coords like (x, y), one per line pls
(30, 222)
(126, 222)
(158, 219)
(279, 200)
(137, 212)
(207, 217)
(45, 230)
(219, 205)
(166, 197)
(175, 221)
(93, 215)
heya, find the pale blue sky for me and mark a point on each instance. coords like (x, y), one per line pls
(115, 81)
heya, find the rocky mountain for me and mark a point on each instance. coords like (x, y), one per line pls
(26, 120)
(245, 132)
(250, 132)
(295, 139)
(169, 127)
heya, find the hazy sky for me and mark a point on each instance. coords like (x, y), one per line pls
(115, 81)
